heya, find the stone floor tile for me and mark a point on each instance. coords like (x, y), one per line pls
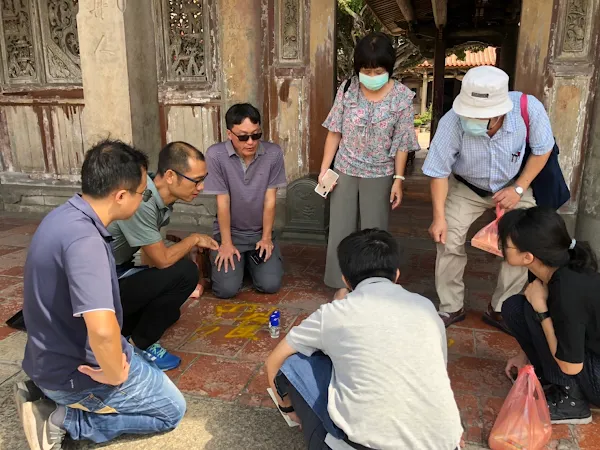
(218, 339)
(179, 333)
(6, 249)
(470, 415)
(187, 359)
(15, 271)
(478, 376)
(495, 345)
(588, 436)
(9, 308)
(8, 282)
(258, 350)
(317, 252)
(474, 321)
(308, 299)
(6, 331)
(15, 291)
(12, 348)
(460, 341)
(258, 384)
(217, 377)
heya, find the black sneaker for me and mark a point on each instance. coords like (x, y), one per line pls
(40, 432)
(568, 405)
(26, 391)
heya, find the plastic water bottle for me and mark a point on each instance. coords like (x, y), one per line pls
(274, 326)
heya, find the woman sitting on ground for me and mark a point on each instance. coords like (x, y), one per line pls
(557, 320)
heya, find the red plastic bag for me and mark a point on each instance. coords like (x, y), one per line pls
(487, 238)
(524, 420)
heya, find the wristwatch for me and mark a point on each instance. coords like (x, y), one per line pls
(286, 409)
(541, 316)
(519, 190)
(399, 177)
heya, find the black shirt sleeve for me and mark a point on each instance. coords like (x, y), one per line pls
(566, 313)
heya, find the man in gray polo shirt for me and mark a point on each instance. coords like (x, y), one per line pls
(93, 386)
(152, 296)
(381, 379)
(245, 173)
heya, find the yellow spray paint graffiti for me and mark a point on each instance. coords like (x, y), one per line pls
(248, 318)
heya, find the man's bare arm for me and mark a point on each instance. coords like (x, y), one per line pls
(274, 362)
(224, 217)
(104, 336)
(269, 213)
(161, 256)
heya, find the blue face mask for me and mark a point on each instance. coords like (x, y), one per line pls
(475, 127)
(374, 83)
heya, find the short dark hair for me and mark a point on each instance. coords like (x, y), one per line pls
(374, 50)
(176, 155)
(542, 232)
(111, 165)
(368, 253)
(240, 112)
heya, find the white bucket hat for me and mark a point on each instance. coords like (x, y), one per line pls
(484, 94)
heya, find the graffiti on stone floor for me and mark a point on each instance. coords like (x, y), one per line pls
(247, 318)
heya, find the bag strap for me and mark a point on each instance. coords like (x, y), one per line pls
(347, 85)
(525, 114)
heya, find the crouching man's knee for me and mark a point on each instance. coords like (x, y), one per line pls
(176, 411)
(268, 285)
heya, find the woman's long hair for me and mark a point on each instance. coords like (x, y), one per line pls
(543, 233)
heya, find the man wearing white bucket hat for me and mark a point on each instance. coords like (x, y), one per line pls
(475, 164)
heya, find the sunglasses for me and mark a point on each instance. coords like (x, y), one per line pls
(197, 182)
(245, 137)
(146, 194)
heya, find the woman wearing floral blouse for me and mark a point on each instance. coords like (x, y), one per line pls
(370, 134)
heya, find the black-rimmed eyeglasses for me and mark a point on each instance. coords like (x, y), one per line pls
(146, 194)
(245, 137)
(197, 181)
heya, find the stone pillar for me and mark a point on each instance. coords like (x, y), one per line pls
(439, 72)
(118, 65)
(588, 218)
(322, 75)
(241, 36)
(424, 93)
(557, 61)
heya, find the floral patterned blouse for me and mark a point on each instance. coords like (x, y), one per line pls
(372, 132)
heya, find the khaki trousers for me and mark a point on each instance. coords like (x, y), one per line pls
(463, 207)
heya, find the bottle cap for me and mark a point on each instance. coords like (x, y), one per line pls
(274, 321)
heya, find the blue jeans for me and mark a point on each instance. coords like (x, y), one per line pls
(148, 402)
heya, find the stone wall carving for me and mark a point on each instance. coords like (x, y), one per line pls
(18, 42)
(185, 40)
(60, 40)
(289, 31)
(575, 26)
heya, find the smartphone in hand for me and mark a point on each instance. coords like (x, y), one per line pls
(256, 258)
(328, 181)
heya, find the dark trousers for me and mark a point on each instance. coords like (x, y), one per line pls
(151, 300)
(520, 319)
(266, 277)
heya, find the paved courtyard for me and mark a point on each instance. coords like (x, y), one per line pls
(223, 344)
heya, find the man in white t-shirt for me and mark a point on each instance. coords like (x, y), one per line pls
(387, 386)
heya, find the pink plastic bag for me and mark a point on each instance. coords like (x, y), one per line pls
(487, 238)
(524, 420)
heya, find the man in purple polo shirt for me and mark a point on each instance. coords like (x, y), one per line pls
(86, 380)
(245, 173)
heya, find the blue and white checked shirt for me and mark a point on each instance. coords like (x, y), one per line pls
(490, 163)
